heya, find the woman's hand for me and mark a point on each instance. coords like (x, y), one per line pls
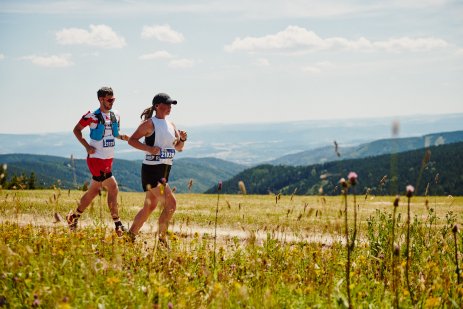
(154, 150)
(183, 136)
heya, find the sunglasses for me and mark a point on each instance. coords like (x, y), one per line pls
(111, 100)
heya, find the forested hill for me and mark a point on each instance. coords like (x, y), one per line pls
(443, 172)
(49, 171)
(374, 148)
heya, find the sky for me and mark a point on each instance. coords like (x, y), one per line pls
(228, 62)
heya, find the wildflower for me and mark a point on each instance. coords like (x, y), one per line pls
(396, 201)
(343, 182)
(367, 193)
(396, 250)
(410, 189)
(219, 187)
(455, 229)
(433, 302)
(352, 178)
(190, 184)
(170, 305)
(242, 187)
(36, 302)
(163, 184)
(3, 301)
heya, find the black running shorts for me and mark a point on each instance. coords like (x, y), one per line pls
(152, 175)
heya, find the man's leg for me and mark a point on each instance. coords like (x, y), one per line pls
(85, 200)
(113, 190)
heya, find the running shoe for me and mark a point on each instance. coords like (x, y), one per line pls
(72, 220)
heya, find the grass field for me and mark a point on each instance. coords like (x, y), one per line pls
(270, 252)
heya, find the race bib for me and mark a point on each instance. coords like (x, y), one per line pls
(109, 142)
(168, 153)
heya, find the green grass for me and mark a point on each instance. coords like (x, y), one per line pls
(43, 264)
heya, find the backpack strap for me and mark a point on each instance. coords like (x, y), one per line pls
(114, 124)
(99, 115)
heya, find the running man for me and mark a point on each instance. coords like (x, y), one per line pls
(104, 129)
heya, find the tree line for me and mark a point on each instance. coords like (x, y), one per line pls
(433, 171)
(21, 181)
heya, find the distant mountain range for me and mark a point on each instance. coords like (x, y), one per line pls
(437, 170)
(67, 172)
(375, 148)
(251, 144)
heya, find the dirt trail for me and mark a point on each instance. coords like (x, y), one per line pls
(149, 229)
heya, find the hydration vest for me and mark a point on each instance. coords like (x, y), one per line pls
(98, 133)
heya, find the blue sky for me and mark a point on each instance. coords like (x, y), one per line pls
(228, 61)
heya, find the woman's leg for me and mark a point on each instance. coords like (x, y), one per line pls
(170, 206)
(150, 204)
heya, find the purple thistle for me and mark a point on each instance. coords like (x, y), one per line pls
(219, 187)
(352, 178)
(410, 189)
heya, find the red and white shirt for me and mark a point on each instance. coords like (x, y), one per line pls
(105, 147)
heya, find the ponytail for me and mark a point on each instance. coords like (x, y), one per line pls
(147, 113)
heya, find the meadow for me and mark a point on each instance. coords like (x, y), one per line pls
(233, 251)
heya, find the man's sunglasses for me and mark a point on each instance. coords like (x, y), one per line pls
(111, 100)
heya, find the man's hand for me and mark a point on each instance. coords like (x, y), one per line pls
(123, 137)
(90, 149)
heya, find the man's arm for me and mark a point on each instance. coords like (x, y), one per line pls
(78, 133)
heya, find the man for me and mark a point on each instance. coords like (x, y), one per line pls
(104, 129)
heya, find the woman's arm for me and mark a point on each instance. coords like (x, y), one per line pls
(144, 129)
(181, 138)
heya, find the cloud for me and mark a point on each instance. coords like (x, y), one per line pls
(173, 61)
(163, 33)
(181, 63)
(2, 56)
(99, 36)
(318, 67)
(53, 61)
(298, 38)
(311, 69)
(162, 54)
(262, 62)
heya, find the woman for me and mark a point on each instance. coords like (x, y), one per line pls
(162, 140)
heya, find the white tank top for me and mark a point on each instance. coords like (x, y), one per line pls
(163, 137)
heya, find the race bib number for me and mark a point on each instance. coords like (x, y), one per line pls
(168, 153)
(109, 142)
